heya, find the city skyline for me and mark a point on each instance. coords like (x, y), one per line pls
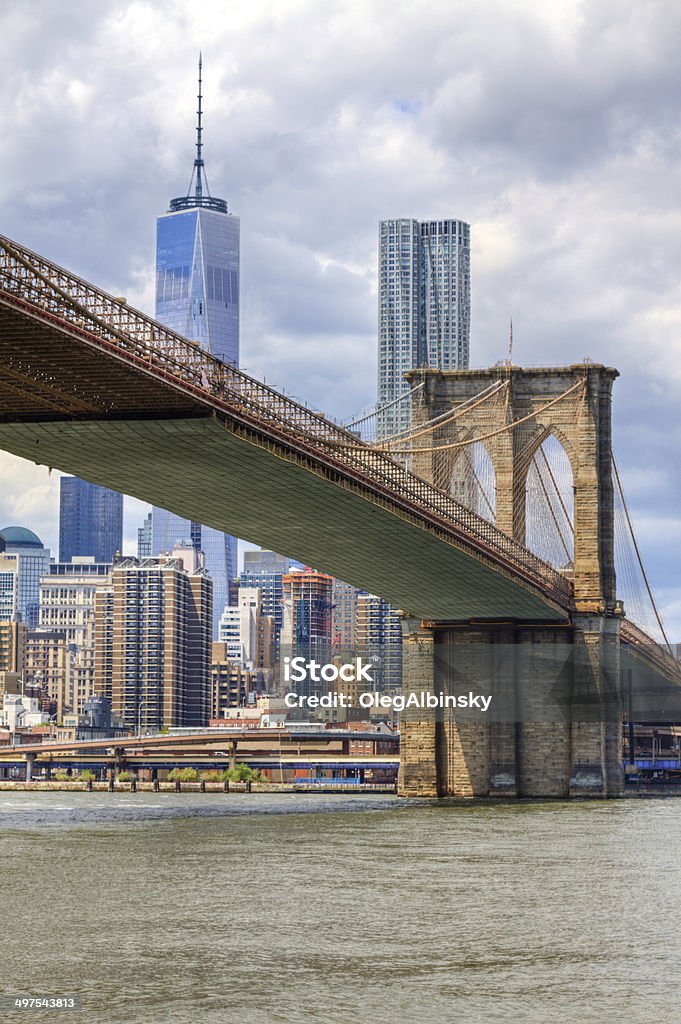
(565, 168)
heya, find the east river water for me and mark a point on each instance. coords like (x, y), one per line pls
(259, 909)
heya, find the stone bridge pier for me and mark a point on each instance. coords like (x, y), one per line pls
(553, 726)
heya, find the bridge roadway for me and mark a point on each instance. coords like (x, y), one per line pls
(321, 741)
(210, 760)
(94, 388)
(271, 748)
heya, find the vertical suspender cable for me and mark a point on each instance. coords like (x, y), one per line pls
(638, 553)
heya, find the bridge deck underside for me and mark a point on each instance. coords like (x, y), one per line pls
(200, 470)
(46, 372)
(65, 404)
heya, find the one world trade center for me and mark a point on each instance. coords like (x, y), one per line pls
(197, 295)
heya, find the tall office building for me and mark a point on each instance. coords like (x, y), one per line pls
(90, 520)
(247, 633)
(9, 586)
(144, 538)
(424, 307)
(231, 683)
(13, 647)
(197, 264)
(49, 666)
(169, 531)
(197, 295)
(153, 643)
(12, 656)
(345, 618)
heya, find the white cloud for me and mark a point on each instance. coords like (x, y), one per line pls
(29, 496)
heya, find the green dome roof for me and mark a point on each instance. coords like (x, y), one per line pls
(20, 535)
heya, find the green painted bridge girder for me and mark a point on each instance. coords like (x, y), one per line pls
(200, 469)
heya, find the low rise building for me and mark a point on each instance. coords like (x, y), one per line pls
(21, 712)
(231, 683)
(96, 722)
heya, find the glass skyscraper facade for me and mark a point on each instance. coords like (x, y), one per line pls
(197, 278)
(424, 307)
(197, 295)
(144, 538)
(90, 520)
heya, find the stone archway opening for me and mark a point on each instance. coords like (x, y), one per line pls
(473, 481)
(550, 505)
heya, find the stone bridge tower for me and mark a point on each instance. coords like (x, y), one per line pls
(559, 734)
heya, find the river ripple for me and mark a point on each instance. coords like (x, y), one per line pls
(260, 909)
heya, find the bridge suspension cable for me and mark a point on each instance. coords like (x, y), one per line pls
(556, 489)
(444, 418)
(378, 409)
(548, 503)
(637, 550)
(505, 428)
(387, 446)
(409, 433)
(544, 493)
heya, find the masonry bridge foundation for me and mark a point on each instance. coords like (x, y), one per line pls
(551, 729)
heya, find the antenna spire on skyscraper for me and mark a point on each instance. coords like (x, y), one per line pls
(198, 162)
(199, 178)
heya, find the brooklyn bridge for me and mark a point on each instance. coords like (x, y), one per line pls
(492, 522)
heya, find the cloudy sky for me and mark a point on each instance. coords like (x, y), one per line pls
(554, 128)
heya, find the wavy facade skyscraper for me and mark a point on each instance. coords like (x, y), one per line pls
(424, 286)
